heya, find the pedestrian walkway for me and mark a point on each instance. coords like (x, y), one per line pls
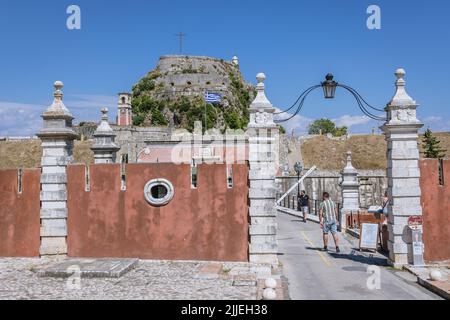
(314, 274)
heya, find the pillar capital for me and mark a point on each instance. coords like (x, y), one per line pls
(261, 110)
(401, 110)
(104, 146)
(57, 118)
(349, 169)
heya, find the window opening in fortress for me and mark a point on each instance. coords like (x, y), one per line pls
(194, 176)
(20, 181)
(441, 172)
(159, 191)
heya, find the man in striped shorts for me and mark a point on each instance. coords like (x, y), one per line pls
(327, 215)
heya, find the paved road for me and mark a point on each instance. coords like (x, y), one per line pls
(313, 274)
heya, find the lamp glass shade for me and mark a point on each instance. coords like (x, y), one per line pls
(298, 168)
(329, 87)
(329, 90)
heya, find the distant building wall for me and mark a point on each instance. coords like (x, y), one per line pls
(373, 184)
(133, 140)
(436, 209)
(176, 152)
(209, 222)
(19, 213)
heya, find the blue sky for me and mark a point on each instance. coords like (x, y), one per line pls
(295, 43)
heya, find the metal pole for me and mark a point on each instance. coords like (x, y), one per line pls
(295, 185)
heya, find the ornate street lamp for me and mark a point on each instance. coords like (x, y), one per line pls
(329, 89)
(329, 86)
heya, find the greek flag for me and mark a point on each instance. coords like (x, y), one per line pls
(212, 97)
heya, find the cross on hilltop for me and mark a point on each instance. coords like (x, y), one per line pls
(181, 35)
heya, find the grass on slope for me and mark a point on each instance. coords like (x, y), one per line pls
(27, 154)
(369, 151)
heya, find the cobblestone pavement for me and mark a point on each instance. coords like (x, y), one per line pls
(153, 280)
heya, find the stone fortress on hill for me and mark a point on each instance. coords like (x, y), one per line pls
(171, 97)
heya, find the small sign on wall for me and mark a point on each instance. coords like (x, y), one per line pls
(415, 224)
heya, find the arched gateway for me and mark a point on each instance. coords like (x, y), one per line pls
(401, 129)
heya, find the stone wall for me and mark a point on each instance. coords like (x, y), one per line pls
(19, 213)
(209, 222)
(193, 75)
(132, 140)
(373, 184)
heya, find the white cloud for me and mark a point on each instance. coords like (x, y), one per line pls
(433, 119)
(436, 123)
(298, 123)
(24, 119)
(19, 119)
(350, 121)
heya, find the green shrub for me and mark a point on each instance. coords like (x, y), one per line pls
(138, 119)
(158, 118)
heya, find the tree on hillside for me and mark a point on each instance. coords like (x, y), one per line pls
(325, 126)
(86, 130)
(432, 147)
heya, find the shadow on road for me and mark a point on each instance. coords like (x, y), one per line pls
(315, 249)
(369, 260)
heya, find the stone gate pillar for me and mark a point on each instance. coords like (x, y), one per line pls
(57, 146)
(401, 130)
(263, 159)
(349, 190)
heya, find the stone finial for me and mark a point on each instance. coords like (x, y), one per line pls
(260, 77)
(261, 110)
(58, 107)
(402, 108)
(57, 118)
(104, 112)
(401, 97)
(104, 124)
(261, 101)
(349, 166)
(349, 158)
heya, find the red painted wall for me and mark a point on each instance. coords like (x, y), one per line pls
(19, 214)
(207, 223)
(436, 210)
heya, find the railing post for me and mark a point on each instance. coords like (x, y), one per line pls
(349, 190)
